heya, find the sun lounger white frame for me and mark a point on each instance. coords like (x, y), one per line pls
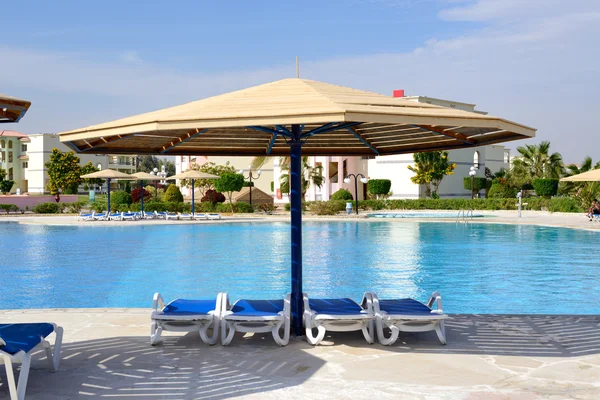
(409, 323)
(160, 215)
(231, 323)
(339, 323)
(128, 217)
(185, 216)
(86, 216)
(17, 391)
(151, 215)
(100, 216)
(200, 216)
(185, 323)
(169, 216)
(114, 217)
(213, 216)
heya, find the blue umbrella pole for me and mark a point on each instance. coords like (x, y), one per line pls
(296, 215)
(193, 197)
(143, 191)
(108, 191)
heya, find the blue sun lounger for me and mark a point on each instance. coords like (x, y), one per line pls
(337, 315)
(183, 315)
(16, 343)
(408, 315)
(257, 316)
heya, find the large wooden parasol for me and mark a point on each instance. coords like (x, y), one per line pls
(295, 117)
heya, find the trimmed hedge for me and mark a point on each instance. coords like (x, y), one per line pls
(173, 194)
(555, 204)
(342, 194)
(545, 187)
(379, 187)
(9, 207)
(46, 208)
(501, 191)
(120, 197)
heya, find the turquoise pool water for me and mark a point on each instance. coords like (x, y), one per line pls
(429, 214)
(478, 268)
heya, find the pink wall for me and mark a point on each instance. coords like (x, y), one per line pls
(31, 201)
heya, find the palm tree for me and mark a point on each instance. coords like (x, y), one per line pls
(536, 162)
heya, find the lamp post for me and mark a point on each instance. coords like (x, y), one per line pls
(363, 179)
(155, 172)
(250, 177)
(472, 173)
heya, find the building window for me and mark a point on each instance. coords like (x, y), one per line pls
(506, 156)
(10, 174)
(25, 164)
(10, 156)
(333, 172)
(23, 148)
(2, 144)
(476, 159)
(10, 144)
(345, 168)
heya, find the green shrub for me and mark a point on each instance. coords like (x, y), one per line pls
(564, 204)
(173, 194)
(46, 208)
(238, 207)
(323, 208)
(204, 207)
(342, 194)
(9, 207)
(120, 197)
(372, 205)
(479, 183)
(75, 207)
(379, 187)
(545, 187)
(98, 206)
(501, 191)
(6, 186)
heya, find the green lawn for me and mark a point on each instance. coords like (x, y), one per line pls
(99, 197)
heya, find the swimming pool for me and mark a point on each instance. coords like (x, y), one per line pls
(478, 268)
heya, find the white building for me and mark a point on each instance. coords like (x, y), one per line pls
(28, 168)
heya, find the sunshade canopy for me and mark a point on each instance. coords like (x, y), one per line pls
(295, 117)
(590, 176)
(144, 176)
(12, 109)
(108, 174)
(193, 174)
(255, 121)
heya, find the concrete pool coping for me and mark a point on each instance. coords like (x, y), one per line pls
(106, 353)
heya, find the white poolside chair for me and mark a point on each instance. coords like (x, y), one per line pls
(182, 315)
(86, 216)
(256, 316)
(17, 342)
(128, 216)
(213, 216)
(100, 216)
(337, 315)
(408, 315)
(200, 216)
(170, 215)
(186, 216)
(160, 214)
(116, 216)
(150, 215)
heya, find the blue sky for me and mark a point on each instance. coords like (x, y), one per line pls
(82, 63)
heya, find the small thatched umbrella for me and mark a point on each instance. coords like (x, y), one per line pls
(293, 117)
(12, 109)
(193, 175)
(108, 174)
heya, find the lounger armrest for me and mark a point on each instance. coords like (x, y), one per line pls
(225, 305)
(367, 303)
(436, 297)
(157, 302)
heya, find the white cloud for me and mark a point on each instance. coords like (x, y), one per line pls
(537, 66)
(131, 57)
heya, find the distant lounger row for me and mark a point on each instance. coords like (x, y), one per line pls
(374, 317)
(133, 216)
